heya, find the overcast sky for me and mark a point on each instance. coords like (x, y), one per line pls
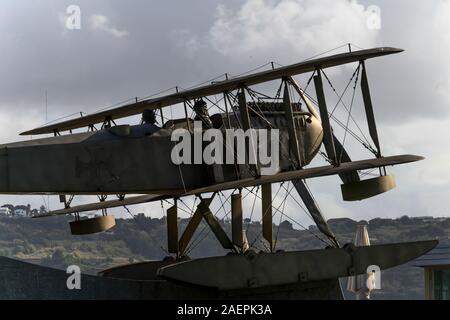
(135, 48)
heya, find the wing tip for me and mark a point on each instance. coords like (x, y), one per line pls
(391, 49)
(26, 133)
(415, 158)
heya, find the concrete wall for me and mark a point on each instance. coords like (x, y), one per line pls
(20, 280)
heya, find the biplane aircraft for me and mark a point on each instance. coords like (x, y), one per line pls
(132, 164)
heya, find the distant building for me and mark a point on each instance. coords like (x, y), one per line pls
(424, 219)
(20, 212)
(436, 266)
(5, 211)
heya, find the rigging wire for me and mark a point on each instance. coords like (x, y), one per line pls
(262, 218)
(302, 207)
(172, 204)
(191, 210)
(210, 81)
(223, 204)
(207, 81)
(328, 51)
(197, 241)
(315, 235)
(299, 224)
(254, 94)
(340, 101)
(279, 223)
(251, 70)
(188, 209)
(365, 143)
(349, 115)
(251, 215)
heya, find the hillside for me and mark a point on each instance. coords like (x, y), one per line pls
(49, 242)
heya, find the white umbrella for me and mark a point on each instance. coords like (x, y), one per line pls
(362, 284)
(245, 245)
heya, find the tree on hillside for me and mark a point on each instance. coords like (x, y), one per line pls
(405, 220)
(286, 225)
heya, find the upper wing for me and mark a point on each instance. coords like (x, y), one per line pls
(215, 88)
(249, 182)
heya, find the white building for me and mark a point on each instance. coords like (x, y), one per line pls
(5, 211)
(20, 213)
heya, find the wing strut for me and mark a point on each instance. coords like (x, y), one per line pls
(350, 176)
(369, 109)
(346, 177)
(328, 140)
(236, 220)
(191, 228)
(266, 195)
(246, 125)
(314, 210)
(215, 226)
(172, 229)
(293, 138)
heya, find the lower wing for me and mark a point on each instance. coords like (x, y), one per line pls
(248, 182)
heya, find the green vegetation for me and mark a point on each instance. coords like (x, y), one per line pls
(49, 242)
